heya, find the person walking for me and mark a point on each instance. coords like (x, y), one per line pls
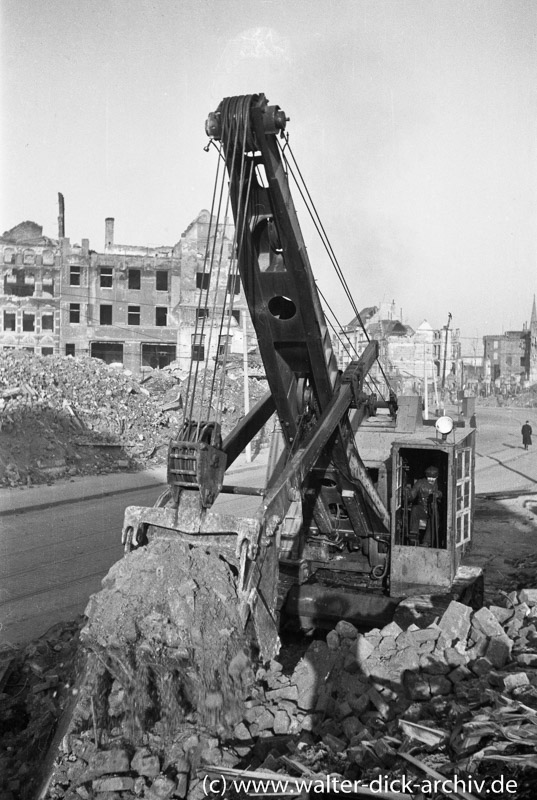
(526, 434)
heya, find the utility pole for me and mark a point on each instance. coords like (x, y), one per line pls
(445, 352)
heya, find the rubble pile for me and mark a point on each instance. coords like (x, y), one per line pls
(63, 416)
(451, 696)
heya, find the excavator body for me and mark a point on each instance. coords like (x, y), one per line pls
(331, 538)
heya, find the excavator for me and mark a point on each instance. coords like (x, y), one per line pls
(331, 538)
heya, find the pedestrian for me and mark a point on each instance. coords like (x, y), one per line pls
(526, 434)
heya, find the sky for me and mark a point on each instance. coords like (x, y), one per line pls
(413, 123)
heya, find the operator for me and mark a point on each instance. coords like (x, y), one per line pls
(428, 495)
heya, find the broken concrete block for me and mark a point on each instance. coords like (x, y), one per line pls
(501, 614)
(182, 786)
(482, 666)
(145, 763)
(439, 684)
(334, 743)
(119, 783)
(359, 703)
(283, 693)
(346, 630)
(310, 672)
(498, 651)
(527, 659)
(455, 622)
(486, 623)
(434, 664)
(460, 673)
(528, 596)
(351, 726)
(106, 762)
(387, 645)
(241, 732)
(380, 703)
(265, 720)
(515, 680)
(281, 722)
(392, 629)
(454, 657)
(363, 648)
(161, 789)
(332, 640)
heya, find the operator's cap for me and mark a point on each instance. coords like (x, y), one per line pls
(431, 472)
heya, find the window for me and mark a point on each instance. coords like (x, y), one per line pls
(47, 351)
(74, 313)
(48, 258)
(133, 315)
(224, 342)
(161, 316)
(19, 283)
(28, 257)
(28, 322)
(105, 314)
(48, 284)
(74, 275)
(201, 313)
(198, 347)
(236, 315)
(202, 280)
(9, 321)
(233, 284)
(69, 349)
(9, 255)
(158, 355)
(162, 280)
(134, 278)
(106, 277)
(47, 322)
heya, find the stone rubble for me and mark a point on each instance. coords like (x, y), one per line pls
(459, 690)
(62, 416)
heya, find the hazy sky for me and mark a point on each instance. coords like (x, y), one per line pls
(413, 123)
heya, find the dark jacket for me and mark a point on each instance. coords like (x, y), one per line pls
(422, 490)
(526, 433)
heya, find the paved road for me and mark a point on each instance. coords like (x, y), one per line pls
(57, 543)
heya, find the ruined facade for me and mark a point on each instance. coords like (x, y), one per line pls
(138, 306)
(30, 278)
(510, 359)
(407, 356)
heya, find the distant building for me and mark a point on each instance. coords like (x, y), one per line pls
(510, 359)
(406, 355)
(138, 306)
(30, 270)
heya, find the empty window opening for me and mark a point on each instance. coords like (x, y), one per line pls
(201, 313)
(9, 321)
(110, 352)
(69, 349)
(198, 347)
(233, 284)
(161, 316)
(19, 283)
(47, 351)
(158, 356)
(28, 322)
(162, 280)
(105, 314)
(203, 280)
(47, 322)
(134, 279)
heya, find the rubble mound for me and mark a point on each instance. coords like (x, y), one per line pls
(452, 697)
(62, 416)
(166, 628)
